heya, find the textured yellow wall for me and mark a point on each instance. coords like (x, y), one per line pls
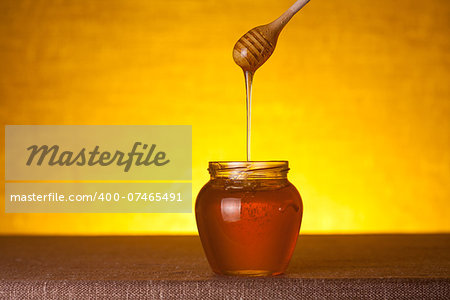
(356, 97)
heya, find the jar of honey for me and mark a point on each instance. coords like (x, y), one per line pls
(248, 217)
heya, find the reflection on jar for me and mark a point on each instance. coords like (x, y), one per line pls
(248, 217)
(231, 209)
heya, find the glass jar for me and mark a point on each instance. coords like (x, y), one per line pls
(248, 217)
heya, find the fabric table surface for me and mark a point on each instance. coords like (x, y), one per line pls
(174, 267)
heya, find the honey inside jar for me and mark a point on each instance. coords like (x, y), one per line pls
(248, 217)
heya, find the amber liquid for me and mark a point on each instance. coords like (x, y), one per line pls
(248, 92)
(249, 228)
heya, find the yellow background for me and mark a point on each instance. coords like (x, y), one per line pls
(356, 97)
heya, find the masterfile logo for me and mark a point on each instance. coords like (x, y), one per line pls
(53, 156)
(98, 169)
(106, 152)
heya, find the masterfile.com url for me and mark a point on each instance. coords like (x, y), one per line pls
(53, 197)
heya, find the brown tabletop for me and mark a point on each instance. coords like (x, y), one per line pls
(323, 267)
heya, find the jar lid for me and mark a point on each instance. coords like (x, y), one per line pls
(241, 170)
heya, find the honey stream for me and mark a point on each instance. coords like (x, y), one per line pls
(248, 89)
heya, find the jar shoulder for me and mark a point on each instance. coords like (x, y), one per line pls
(294, 191)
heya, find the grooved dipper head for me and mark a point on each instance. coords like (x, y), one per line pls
(253, 49)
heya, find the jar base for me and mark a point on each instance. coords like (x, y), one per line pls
(250, 273)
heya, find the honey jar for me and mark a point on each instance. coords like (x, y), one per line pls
(248, 217)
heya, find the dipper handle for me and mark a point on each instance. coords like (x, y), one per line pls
(279, 23)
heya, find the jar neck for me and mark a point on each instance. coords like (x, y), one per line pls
(248, 170)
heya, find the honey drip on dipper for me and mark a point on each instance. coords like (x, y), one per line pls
(254, 48)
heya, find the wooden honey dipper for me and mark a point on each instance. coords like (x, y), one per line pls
(255, 47)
